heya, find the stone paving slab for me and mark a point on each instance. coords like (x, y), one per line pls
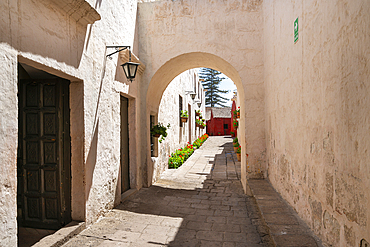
(200, 204)
(285, 226)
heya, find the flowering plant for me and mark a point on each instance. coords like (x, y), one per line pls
(238, 151)
(237, 111)
(235, 124)
(199, 121)
(177, 158)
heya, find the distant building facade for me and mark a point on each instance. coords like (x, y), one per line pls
(218, 121)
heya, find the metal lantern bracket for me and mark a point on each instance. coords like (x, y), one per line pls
(118, 49)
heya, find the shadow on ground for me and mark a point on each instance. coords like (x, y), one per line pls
(214, 213)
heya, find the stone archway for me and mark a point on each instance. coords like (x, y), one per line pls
(169, 70)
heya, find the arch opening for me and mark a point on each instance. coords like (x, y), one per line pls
(172, 68)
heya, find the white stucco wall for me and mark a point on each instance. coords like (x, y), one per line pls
(42, 35)
(178, 137)
(8, 145)
(317, 113)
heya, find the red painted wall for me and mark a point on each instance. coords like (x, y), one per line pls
(233, 108)
(215, 126)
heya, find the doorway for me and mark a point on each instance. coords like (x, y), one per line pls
(125, 159)
(43, 160)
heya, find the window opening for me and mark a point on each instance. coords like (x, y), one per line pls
(180, 109)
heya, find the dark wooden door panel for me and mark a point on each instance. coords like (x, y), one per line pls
(125, 176)
(44, 158)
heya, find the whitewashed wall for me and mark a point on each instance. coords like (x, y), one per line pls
(48, 37)
(318, 113)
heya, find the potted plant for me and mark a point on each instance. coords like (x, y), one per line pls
(238, 153)
(235, 143)
(234, 114)
(235, 124)
(197, 112)
(184, 116)
(159, 130)
(232, 133)
(238, 112)
(203, 125)
(198, 123)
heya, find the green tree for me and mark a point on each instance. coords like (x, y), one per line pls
(212, 83)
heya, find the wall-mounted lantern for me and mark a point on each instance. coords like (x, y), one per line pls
(198, 102)
(192, 94)
(129, 68)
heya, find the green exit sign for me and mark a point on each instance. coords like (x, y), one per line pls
(296, 30)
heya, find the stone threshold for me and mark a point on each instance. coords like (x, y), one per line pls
(127, 194)
(62, 235)
(285, 227)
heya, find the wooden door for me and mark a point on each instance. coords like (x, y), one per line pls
(44, 154)
(125, 159)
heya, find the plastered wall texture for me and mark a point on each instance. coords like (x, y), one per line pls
(178, 137)
(8, 146)
(42, 35)
(222, 35)
(317, 113)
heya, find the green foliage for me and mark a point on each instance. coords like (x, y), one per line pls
(235, 140)
(236, 144)
(236, 111)
(184, 114)
(238, 151)
(177, 158)
(211, 84)
(235, 124)
(161, 130)
(199, 121)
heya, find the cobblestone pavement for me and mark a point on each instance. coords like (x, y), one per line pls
(200, 204)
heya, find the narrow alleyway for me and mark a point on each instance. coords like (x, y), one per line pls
(200, 204)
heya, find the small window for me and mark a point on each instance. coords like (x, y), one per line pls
(226, 126)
